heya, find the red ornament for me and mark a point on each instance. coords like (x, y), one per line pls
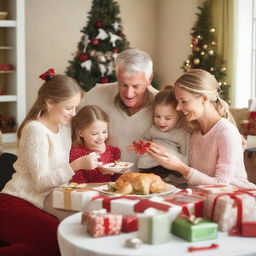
(195, 42)
(115, 50)
(98, 24)
(95, 41)
(104, 80)
(121, 34)
(83, 57)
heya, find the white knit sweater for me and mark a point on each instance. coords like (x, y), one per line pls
(42, 164)
(123, 129)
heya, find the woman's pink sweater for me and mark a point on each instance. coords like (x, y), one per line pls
(217, 157)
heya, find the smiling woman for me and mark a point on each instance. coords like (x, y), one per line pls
(214, 138)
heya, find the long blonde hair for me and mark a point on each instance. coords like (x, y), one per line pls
(59, 88)
(83, 119)
(200, 82)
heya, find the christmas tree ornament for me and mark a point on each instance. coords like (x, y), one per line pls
(211, 52)
(116, 26)
(95, 41)
(213, 43)
(211, 69)
(202, 53)
(103, 69)
(92, 53)
(83, 57)
(110, 68)
(199, 37)
(104, 80)
(114, 38)
(205, 46)
(196, 61)
(115, 50)
(99, 24)
(102, 34)
(101, 58)
(223, 69)
(195, 42)
(212, 30)
(87, 65)
(197, 49)
(86, 41)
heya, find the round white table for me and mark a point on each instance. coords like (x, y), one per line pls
(75, 241)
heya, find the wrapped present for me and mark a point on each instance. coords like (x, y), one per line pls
(100, 224)
(72, 197)
(230, 210)
(129, 205)
(189, 204)
(194, 230)
(121, 205)
(215, 189)
(154, 227)
(248, 229)
(129, 223)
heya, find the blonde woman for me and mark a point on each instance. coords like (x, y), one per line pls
(216, 152)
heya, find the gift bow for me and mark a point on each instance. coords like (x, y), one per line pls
(46, 76)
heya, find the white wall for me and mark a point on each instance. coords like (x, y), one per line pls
(175, 19)
(160, 27)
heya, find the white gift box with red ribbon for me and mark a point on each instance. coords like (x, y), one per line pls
(231, 210)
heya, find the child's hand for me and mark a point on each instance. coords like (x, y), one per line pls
(89, 162)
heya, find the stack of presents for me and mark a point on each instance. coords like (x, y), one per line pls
(193, 215)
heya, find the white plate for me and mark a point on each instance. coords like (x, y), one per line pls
(116, 167)
(104, 190)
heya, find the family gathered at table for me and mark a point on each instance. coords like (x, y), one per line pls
(68, 132)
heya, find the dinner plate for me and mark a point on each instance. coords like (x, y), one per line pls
(104, 189)
(117, 166)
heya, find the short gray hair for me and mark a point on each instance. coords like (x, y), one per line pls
(134, 60)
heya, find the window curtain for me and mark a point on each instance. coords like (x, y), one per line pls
(223, 12)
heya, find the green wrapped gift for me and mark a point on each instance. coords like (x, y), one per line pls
(194, 231)
(155, 228)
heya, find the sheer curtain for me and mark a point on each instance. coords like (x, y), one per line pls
(224, 21)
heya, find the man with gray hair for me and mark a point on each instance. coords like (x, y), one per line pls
(128, 102)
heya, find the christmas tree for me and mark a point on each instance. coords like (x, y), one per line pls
(102, 40)
(204, 53)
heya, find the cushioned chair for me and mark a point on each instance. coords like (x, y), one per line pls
(35, 232)
(6, 168)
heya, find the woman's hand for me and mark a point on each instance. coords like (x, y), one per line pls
(167, 159)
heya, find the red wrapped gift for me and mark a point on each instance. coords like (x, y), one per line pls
(99, 224)
(191, 204)
(249, 229)
(129, 223)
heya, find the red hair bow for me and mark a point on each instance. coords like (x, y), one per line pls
(46, 76)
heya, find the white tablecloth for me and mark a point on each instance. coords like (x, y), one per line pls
(75, 241)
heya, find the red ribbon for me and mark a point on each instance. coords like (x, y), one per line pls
(144, 204)
(107, 201)
(106, 226)
(236, 230)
